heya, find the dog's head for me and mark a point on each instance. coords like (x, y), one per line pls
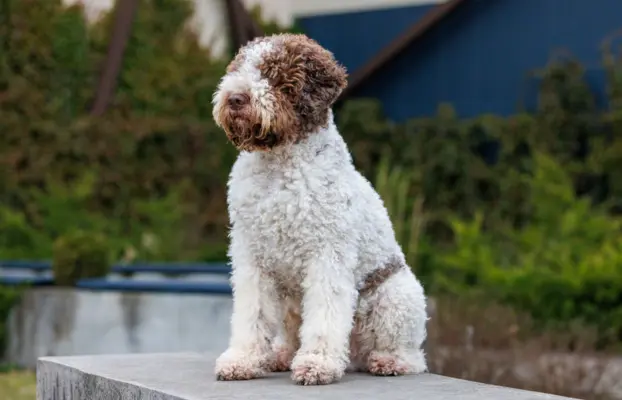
(276, 90)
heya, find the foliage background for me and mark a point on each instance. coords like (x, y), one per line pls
(523, 210)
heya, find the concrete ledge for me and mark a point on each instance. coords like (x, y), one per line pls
(189, 376)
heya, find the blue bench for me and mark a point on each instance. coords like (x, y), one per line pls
(133, 285)
(164, 286)
(167, 286)
(163, 268)
(25, 280)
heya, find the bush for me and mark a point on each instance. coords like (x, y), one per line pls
(156, 157)
(151, 233)
(563, 267)
(79, 255)
(156, 145)
(8, 298)
(523, 210)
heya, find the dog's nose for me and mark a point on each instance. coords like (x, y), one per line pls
(238, 100)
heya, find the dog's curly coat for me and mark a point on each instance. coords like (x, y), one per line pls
(319, 279)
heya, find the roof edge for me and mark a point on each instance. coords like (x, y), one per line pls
(399, 44)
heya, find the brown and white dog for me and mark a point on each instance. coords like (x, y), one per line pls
(319, 279)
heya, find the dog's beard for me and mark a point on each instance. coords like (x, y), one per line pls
(249, 136)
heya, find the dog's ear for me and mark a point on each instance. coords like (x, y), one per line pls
(325, 77)
(319, 77)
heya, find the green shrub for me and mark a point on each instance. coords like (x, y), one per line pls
(18, 239)
(155, 160)
(78, 255)
(8, 298)
(153, 232)
(563, 266)
(397, 189)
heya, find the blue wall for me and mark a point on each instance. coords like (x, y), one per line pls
(479, 58)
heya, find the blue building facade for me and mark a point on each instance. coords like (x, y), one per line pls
(480, 58)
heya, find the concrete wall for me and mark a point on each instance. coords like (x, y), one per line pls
(65, 322)
(58, 322)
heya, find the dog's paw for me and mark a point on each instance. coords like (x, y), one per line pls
(235, 365)
(387, 364)
(283, 356)
(314, 369)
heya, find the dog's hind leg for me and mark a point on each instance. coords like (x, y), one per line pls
(392, 327)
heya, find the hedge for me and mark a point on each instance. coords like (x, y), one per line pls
(80, 255)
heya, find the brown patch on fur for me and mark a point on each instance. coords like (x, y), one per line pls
(292, 323)
(357, 335)
(307, 81)
(284, 354)
(284, 124)
(379, 276)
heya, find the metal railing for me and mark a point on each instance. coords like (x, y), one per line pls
(40, 276)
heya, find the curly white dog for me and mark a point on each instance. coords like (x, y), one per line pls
(319, 279)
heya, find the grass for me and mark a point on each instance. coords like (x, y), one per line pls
(18, 385)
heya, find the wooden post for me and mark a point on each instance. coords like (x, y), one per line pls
(242, 27)
(122, 28)
(235, 20)
(395, 47)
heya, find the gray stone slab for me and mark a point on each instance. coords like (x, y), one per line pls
(189, 376)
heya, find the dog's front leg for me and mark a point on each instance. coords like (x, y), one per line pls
(254, 323)
(328, 304)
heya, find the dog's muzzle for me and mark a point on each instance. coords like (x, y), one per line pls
(250, 138)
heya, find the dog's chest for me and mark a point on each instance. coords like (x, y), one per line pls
(282, 215)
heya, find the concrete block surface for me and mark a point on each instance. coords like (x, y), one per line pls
(190, 376)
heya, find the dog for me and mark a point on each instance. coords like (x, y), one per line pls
(320, 284)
